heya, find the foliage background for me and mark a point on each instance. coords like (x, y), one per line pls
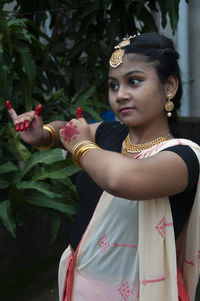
(62, 70)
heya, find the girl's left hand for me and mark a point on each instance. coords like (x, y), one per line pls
(75, 131)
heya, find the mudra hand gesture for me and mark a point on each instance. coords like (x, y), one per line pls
(75, 131)
(29, 125)
(32, 130)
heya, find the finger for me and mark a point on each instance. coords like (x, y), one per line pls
(27, 124)
(80, 116)
(82, 121)
(38, 114)
(79, 113)
(38, 110)
(26, 116)
(61, 131)
(11, 111)
(23, 121)
(17, 127)
(8, 105)
(21, 126)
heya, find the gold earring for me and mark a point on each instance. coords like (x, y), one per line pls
(169, 105)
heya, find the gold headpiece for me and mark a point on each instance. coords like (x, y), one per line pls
(117, 56)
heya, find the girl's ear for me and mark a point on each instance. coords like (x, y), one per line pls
(171, 86)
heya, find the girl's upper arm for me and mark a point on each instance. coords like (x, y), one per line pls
(161, 175)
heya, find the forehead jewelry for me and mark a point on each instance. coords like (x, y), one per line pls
(117, 56)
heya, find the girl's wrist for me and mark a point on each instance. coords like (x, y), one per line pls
(48, 138)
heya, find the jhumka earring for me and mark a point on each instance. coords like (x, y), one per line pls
(169, 105)
(117, 56)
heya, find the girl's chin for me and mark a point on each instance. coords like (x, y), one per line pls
(126, 123)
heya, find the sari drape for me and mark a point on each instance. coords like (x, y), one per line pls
(158, 256)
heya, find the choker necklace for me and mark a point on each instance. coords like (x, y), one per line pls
(128, 147)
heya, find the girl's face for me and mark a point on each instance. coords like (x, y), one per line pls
(136, 95)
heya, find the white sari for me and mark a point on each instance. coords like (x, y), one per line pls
(128, 251)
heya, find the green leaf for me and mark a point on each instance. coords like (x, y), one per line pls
(40, 186)
(57, 170)
(80, 47)
(26, 70)
(7, 218)
(84, 95)
(4, 29)
(6, 80)
(55, 225)
(16, 148)
(8, 167)
(173, 9)
(26, 60)
(64, 185)
(15, 22)
(58, 94)
(18, 26)
(27, 90)
(46, 157)
(16, 197)
(4, 184)
(58, 204)
(92, 112)
(163, 12)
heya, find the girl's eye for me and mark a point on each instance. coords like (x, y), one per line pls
(134, 81)
(113, 86)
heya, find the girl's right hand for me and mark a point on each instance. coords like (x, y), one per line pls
(29, 125)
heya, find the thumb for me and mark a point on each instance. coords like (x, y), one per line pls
(79, 113)
(38, 115)
(79, 116)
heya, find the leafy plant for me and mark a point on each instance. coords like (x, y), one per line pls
(17, 67)
(43, 180)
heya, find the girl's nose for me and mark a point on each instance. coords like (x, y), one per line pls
(122, 94)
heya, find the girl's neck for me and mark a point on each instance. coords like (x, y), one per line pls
(144, 135)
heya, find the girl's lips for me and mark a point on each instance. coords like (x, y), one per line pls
(126, 110)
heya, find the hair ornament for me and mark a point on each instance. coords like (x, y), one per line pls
(117, 56)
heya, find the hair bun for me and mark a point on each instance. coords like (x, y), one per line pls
(169, 51)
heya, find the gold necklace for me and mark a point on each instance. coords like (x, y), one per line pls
(128, 147)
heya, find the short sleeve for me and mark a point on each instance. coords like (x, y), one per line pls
(190, 159)
(110, 135)
(182, 203)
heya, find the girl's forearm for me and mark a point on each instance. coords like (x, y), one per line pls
(50, 135)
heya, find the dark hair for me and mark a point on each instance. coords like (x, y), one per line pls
(160, 49)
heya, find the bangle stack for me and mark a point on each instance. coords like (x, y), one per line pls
(52, 131)
(80, 149)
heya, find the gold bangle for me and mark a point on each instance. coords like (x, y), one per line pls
(80, 149)
(87, 150)
(78, 145)
(52, 131)
(82, 154)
